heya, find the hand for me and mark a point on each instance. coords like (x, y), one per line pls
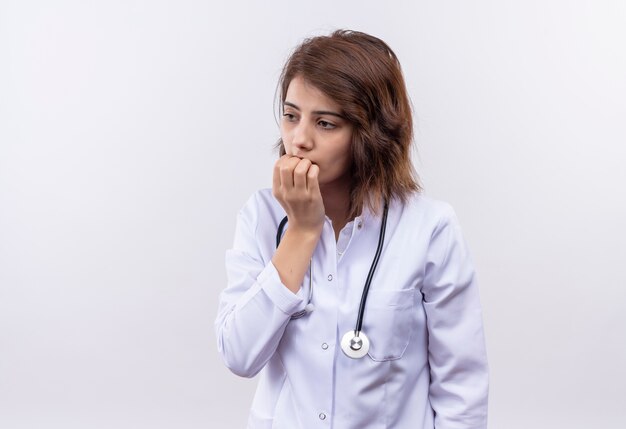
(296, 188)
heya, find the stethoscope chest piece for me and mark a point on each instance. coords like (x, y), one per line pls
(355, 345)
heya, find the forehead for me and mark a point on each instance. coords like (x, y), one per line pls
(308, 96)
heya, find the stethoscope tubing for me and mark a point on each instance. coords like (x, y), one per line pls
(279, 232)
(370, 275)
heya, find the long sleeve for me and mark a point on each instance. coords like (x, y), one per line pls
(457, 357)
(255, 307)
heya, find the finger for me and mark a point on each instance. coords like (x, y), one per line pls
(313, 185)
(286, 172)
(276, 177)
(300, 174)
(276, 182)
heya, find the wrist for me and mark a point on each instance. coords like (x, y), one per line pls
(305, 234)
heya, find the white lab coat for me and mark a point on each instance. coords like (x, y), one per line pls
(427, 365)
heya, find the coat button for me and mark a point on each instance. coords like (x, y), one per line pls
(360, 225)
(322, 416)
(330, 277)
(324, 346)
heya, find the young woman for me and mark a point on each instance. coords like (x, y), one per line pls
(352, 294)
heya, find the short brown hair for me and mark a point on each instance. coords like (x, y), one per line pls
(363, 75)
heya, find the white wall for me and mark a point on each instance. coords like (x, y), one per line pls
(132, 131)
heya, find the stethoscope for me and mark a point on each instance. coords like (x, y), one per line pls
(355, 343)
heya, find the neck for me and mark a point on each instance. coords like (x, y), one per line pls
(336, 197)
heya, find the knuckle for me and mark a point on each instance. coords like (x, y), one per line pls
(304, 166)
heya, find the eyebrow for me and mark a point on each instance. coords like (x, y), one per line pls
(317, 112)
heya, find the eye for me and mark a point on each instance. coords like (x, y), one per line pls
(290, 117)
(326, 125)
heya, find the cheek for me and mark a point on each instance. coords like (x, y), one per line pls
(340, 159)
(284, 135)
(344, 152)
(286, 144)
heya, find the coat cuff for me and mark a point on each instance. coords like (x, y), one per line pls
(288, 302)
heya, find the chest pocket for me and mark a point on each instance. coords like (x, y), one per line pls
(389, 323)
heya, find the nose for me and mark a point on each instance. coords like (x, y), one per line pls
(302, 138)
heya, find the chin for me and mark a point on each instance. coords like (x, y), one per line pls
(325, 180)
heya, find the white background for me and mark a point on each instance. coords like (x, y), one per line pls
(131, 132)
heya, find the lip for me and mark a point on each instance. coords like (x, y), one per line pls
(304, 157)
